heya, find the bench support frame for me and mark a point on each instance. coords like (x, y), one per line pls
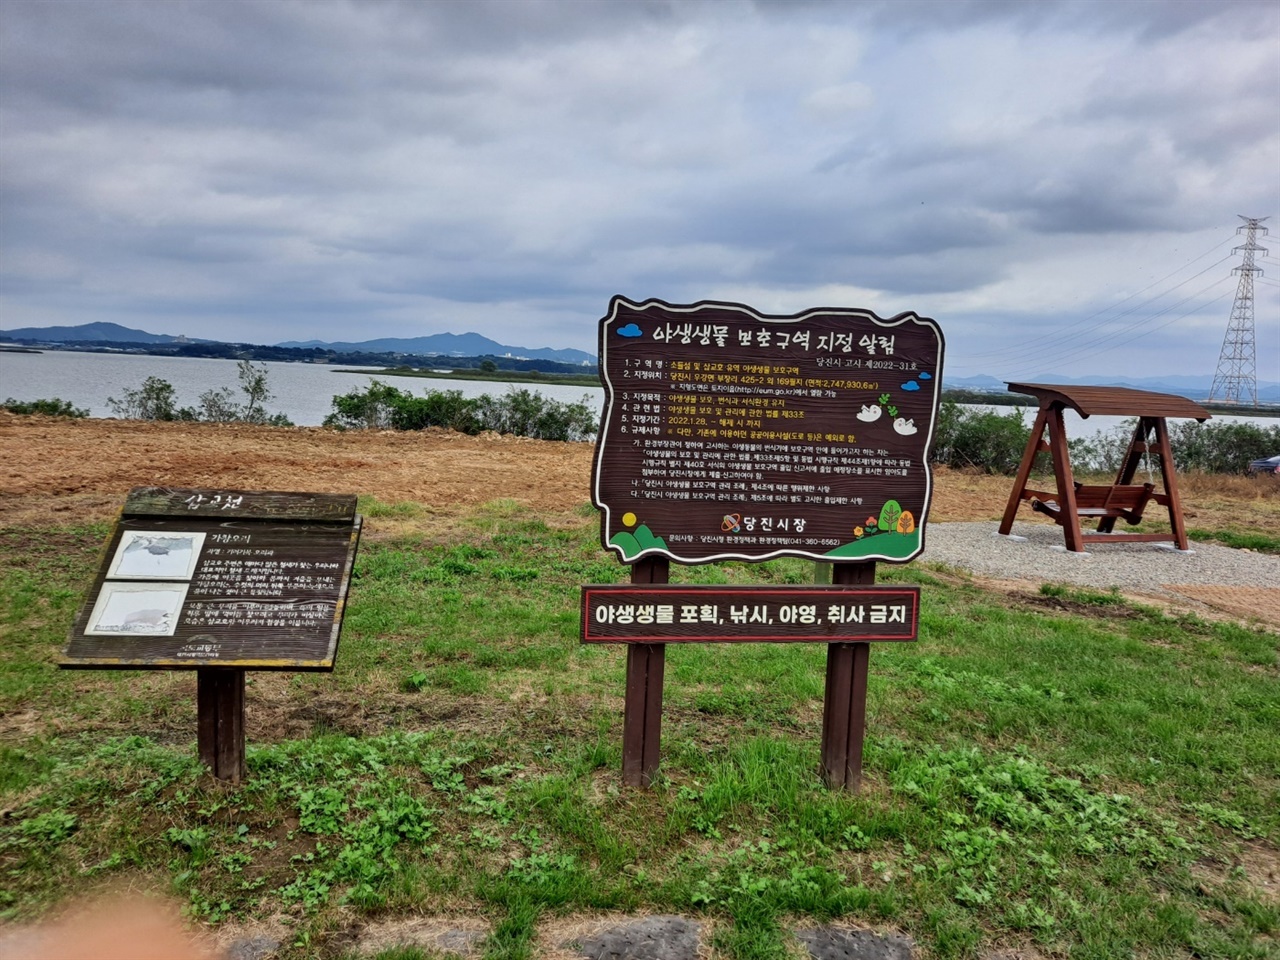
(1123, 500)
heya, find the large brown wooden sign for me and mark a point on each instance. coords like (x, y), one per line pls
(651, 613)
(730, 434)
(196, 578)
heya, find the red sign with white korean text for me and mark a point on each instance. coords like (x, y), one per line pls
(671, 613)
(734, 435)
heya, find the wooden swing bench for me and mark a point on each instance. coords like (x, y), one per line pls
(1116, 502)
(1122, 500)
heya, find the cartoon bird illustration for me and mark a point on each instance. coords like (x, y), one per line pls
(870, 413)
(904, 426)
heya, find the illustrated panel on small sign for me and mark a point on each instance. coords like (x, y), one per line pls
(144, 555)
(234, 591)
(728, 434)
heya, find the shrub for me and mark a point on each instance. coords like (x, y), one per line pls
(156, 399)
(54, 407)
(523, 413)
(1221, 447)
(979, 438)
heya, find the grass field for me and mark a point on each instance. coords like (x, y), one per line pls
(1062, 774)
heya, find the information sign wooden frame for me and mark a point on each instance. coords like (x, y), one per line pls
(195, 578)
(219, 581)
(733, 435)
(730, 434)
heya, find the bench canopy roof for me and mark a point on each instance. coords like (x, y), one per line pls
(1112, 401)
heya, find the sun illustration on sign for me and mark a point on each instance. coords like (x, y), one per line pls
(633, 542)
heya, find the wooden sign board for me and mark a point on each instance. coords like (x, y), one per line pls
(220, 578)
(632, 613)
(733, 435)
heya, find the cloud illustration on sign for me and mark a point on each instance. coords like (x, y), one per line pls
(925, 375)
(630, 330)
(911, 385)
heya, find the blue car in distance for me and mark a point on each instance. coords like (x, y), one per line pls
(1265, 465)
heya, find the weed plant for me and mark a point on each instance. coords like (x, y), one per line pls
(1069, 771)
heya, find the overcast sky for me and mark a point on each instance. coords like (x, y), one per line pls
(1056, 183)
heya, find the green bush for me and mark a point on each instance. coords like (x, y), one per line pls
(523, 413)
(1221, 447)
(154, 400)
(157, 400)
(979, 438)
(49, 408)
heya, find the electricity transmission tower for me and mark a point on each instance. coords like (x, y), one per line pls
(1236, 379)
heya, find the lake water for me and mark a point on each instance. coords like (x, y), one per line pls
(304, 392)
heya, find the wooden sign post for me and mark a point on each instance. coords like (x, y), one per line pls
(846, 616)
(733, 435)
(219, 581)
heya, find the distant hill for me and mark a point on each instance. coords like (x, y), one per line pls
(448, 345)
(439, 344)
(103, 332)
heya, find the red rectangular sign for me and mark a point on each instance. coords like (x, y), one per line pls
(665, 613)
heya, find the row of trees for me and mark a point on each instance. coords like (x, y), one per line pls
(965, 437)
(156, 399)
(521, 412)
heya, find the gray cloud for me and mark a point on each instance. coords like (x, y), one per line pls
(290, 171)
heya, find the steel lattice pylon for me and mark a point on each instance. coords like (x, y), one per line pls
(1236, 379)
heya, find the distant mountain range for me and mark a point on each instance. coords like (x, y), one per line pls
(448, 345)
(107, 332)
(439, 344)
(475, 345)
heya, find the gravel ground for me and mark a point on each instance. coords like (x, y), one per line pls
(1132, 567)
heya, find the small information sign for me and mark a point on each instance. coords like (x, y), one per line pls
(729, 434)
(631, 613)
(220, 578)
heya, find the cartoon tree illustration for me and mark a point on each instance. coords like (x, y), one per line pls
(889, 515)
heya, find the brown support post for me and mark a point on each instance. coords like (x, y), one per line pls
(844, 709)
(220, 721)
(1069, 518)
(1034, 445)
(1169, 477)
(642, 710)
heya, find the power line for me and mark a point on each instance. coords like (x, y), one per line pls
(1040, 345)
(1051, 344)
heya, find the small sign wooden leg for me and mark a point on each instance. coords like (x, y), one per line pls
(844, 709)
(844, 715)
(220, 721)
(642, 714)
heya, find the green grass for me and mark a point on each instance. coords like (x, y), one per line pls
(1078, 773)
(1259, 542)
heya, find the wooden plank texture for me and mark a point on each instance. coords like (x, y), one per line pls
(844, 709)
(220, 722)
(642, 710)
(266, 593)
